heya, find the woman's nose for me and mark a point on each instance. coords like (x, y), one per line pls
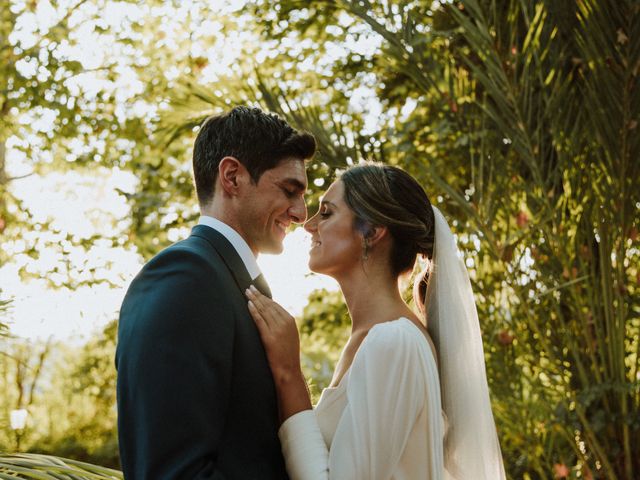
(310, 225)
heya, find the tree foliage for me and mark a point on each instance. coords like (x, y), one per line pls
(64, 109)
(47, 119)
(324, 329)
(82, 399)
(4, 306)
(69, 394)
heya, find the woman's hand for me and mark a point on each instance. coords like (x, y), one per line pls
(278, 332)
(281, 341)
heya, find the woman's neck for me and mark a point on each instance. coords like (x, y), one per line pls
(371, 299)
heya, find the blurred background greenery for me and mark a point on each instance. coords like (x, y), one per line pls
(520, 117)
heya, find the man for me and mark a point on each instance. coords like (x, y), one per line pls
(196, 398)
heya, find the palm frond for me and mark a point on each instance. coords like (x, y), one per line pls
(47, 467)
(4, 306)
(192, 103)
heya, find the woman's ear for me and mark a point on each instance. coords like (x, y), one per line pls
(229, 172)
(375, 234)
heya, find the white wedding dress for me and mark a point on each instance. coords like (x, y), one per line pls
(384, 421)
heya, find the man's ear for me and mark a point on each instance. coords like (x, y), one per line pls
(230, 171)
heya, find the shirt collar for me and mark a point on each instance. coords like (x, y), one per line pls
(237, 241)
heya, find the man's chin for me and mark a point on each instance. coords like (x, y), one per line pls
(274, 248)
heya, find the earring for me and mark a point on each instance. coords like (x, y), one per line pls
(365, 250)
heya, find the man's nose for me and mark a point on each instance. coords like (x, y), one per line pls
(298, 212)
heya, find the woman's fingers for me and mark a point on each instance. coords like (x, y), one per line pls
(270, 310)
(278, 332)
(259, 300)
(261, 322)
(259, 309)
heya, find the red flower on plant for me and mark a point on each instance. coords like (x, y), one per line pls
(560, 470)
(522, 219)
(505, 338)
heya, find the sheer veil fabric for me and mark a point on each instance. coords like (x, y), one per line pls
(471, 449)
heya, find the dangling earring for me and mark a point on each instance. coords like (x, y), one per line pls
(365, 249)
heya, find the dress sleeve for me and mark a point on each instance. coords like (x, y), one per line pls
(385, 394)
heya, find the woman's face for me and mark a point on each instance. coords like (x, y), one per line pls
(336, 246)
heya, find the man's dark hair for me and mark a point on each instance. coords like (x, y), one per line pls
(259, 140)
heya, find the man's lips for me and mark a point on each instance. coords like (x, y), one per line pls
(281, 226)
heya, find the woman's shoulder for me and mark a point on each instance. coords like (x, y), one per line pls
(394, 355)
(396, 338)
(401, 328)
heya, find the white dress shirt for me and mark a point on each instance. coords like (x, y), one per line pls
(237, 241)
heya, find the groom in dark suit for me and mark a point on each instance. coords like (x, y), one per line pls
(196, 398)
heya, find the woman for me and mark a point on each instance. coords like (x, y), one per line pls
(409, 396)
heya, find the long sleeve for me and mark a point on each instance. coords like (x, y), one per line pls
(388, 387)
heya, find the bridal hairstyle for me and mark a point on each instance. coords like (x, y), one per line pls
(383, 195)
(259, 141)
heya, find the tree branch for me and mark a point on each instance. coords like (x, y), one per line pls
(19, 177)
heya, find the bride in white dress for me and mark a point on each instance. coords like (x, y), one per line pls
(409, 396)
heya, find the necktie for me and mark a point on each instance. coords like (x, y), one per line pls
(261, 284)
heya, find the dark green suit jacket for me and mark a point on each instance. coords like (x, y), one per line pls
(196, 398)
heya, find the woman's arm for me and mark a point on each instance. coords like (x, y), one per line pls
(281, 341)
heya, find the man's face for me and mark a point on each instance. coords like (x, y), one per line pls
(271, 205)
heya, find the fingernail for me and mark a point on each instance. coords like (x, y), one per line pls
(253, 289)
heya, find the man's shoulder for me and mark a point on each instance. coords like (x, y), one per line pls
(192, 246)
(191, 254)
(184, 268)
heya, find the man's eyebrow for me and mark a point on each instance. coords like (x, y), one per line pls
(294, 182)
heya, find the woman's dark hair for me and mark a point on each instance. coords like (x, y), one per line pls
(383, 195)
(259, 141)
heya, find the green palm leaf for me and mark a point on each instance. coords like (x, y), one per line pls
(46, 467)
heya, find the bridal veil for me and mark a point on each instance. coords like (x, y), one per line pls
(471, 450)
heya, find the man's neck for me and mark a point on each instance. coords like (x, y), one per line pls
(222, 213)
(238, 242)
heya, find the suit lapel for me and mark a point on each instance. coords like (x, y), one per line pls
(261, 284)
(231, 259)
